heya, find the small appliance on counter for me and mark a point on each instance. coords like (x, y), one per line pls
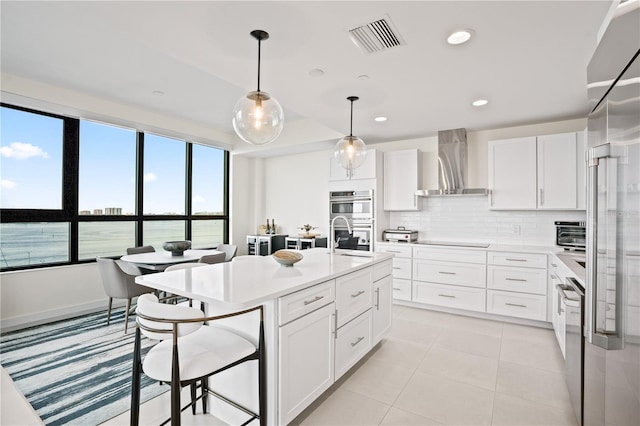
(400, 235)
(571, 235)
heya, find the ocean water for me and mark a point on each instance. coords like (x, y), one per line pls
(23, 244)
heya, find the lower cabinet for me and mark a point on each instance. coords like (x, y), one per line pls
(521, 305)
(381, 310)
(352, 343)
(327, 328)
(451, 296)
(306, 360)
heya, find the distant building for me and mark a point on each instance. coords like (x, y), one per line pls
(97, 211)
(84, 212)
(113, 211)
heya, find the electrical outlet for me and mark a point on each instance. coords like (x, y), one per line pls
(516, 229)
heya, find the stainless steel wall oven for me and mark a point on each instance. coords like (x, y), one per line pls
(352, 204)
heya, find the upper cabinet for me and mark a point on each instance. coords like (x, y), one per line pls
(402, 176)
(535, 172)
(366, 171)
(557, 171)
(512, 173)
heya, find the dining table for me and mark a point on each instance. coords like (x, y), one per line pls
(160, 260)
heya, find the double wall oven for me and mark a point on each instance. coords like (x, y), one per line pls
(358, 208)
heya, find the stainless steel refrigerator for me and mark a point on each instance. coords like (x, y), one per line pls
(611, 384)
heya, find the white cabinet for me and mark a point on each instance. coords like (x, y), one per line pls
(367, 170)
(353, 295)
(402, 177)
(306, 362)
(558, 273)
(517, 291)
(534, 172)
(557, 171)
(455, 278)
(381, 310)
(401, 268)
(512, 173)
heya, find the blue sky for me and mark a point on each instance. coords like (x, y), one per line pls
(31, 166)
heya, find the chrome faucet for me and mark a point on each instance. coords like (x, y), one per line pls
(332, 235)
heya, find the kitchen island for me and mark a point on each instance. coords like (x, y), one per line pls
(321, 316)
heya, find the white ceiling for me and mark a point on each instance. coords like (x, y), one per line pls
(528, 58)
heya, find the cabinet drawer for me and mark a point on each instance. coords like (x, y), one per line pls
(398, 249)
(381, 270)
(526, 260)
(450, 255)
(519, 305)
(401, 268)
(353, 294)
(522, 280)
(353, 342)
(472, 299)
(467, 274)
(300, 303)
(401, 289)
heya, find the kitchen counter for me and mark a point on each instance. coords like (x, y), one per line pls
(305, 306)
(473, 245)
(251, 280)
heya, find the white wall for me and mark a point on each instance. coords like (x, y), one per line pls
(40, 295)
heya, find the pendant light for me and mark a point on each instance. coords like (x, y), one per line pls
(257, 117)
(350, 151)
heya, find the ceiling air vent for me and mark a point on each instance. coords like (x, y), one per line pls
(376, 36)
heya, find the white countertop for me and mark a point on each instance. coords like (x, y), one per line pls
(251, 280)
(518, 248)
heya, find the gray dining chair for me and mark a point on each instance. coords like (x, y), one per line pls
(213, 258)
(229, 250)
(140, 249)
(118, 280)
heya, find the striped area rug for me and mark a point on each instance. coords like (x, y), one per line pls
(76, 371)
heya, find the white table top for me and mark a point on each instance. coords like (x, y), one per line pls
(251, 280)
(159, 260)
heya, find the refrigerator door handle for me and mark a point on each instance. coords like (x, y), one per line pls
(605, 339)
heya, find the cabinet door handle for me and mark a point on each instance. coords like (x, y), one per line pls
(447, 295)
(377, 299)
(358, 293)
(516, 279)
(394, 251)
(335, 324)
(516, 304)
(541, 197)
(554, 265)
(446, 273)
(315, 299)
(360, 339)
(396, 267)
(516, 260)
(397, 288)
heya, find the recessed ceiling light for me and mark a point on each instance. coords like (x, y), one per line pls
(380, 119)
(480, 102)
(158, 92)
(316, 72)
(459, 37)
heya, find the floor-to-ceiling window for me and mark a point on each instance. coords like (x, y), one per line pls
(73, 189)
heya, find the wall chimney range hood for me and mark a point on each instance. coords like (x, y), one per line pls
(452, 166)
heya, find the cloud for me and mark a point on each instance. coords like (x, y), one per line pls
(198, 199)
(7, 184)
(150, 177)
(22, 151)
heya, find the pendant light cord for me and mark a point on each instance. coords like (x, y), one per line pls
(351, 123)
(259, 44)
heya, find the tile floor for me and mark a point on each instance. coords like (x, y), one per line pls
(433, 369)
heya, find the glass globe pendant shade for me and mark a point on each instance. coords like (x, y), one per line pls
(258, 118)
(350, 152)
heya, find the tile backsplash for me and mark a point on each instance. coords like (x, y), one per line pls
(469, 219)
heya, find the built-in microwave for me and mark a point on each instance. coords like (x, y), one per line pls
(352, 204)
(571, 235)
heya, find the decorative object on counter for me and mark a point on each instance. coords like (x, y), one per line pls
(307, 228)
(287, 258)
(177, 248)
(273, 226)
(267, 229)
(350, 151)
(257, 117)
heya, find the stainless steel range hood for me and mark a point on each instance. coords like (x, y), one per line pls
(452, 166)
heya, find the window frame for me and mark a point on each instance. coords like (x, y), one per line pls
(69, 213)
